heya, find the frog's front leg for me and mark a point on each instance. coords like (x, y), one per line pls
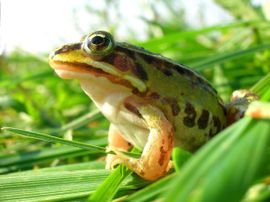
(155, 158)
(115, 140)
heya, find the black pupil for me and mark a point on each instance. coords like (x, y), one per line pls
(98, 40)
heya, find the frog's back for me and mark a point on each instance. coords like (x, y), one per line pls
(187, 99)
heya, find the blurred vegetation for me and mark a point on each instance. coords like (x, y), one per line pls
(231, 56)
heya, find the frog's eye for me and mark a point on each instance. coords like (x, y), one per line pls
(99, 43)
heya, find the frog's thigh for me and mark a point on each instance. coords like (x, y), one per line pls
(116, 141)
(155, 158)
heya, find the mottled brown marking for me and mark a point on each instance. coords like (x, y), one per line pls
(173, 103)
(203, 119)
(139, 71)
(189, 119)
(154, 95)
(162, 66)
(147, 58)
(132, 109)
(166, 68)
(181, 69)
(211, 134)
(68, 48)
(125, 50)
(171, 138)
(194, 77)
(142, 173)
(123, 62)
(175, 108)
(162, 156)
(217, 123)
(138, 93)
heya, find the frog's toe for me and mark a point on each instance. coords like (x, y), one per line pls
(112, 161)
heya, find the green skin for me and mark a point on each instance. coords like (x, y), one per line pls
(143, 94)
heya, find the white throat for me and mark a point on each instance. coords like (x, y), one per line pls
(107, 96)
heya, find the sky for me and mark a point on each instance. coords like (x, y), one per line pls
(37, 26)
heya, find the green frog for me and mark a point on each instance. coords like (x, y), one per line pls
(152, 103)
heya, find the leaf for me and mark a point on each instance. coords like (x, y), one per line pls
(106, 191)
(217, 59)
(53, 139)
(180, 157)
(238, 160)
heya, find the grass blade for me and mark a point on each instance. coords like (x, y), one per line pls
(151, 191)
(53, 139)
(106, 191)
(217, 59)
(49, 186)
(245, 145)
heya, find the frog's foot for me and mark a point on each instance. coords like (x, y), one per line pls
(116, 141)
(245, 94)
(112, 160)
(143, 166)
(155, 158)
(240, 101)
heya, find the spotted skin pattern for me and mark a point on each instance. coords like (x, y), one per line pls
(162, 103)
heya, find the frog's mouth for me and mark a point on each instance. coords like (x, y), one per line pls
(75, 70)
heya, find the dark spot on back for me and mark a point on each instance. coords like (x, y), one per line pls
(217, 123)
(140, 72)
(162, 66)
(175, 108)
(189, 119)
(211, 134)
(173, 103)
(154, 95)
(124, 50)
(147, 58)
(203, 119)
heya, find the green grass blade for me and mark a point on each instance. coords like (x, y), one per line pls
(151, 191)
(53, 139)
(180, 157)
(49, 186)
(58, 185)
(262, 89)
(217, 59)
(170, 38)
(25, 160)
(81, 121)
(106, 191)
(236, 163)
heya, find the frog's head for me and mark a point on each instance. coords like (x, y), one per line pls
(99, 59)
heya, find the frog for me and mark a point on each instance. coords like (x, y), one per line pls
(152, 103)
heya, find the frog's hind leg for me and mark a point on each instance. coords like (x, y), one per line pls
(155, 159)
(116, 141)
